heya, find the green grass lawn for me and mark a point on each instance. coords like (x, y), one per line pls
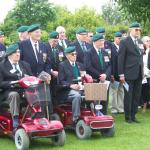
(128, 137)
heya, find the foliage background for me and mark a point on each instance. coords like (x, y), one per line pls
(114, 17)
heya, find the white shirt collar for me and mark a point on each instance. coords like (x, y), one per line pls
(116, 45)
(33, 44)
(96, 48)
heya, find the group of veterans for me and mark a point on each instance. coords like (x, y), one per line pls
(125, 62)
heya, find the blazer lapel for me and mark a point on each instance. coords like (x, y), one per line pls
(131, 43)
(32, 55)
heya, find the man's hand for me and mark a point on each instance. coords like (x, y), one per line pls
(55, 73)
(102, 77)
(75, 86)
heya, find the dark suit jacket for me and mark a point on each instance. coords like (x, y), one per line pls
(2, 47)
(6, 76)
(67, 43)
(149, 60)
(91, 63)
(27, 54)
(130, 62)
(65, 74)
(114, 61)
(80, 53)
(55, 63)
(65, 79)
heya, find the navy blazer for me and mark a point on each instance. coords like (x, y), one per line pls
(55, 63)
(6, 76)
(2, 47)
(149, 60)
(65, 73)
(80, 53)
(91, 63)
(114, 61)
(27, 54)
(130, 61)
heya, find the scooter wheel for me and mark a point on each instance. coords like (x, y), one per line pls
(83, 131)
(59, 140)
(22, 140)
(109, 132)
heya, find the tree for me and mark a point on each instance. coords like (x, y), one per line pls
(112, 14)
(136, 9)
(27, 12)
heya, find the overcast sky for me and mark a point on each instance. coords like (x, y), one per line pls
(6, 5)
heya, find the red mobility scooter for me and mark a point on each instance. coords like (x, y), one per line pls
(91, 118)
(32, 125)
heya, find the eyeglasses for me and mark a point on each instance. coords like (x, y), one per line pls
(138, 30)
(74, 54)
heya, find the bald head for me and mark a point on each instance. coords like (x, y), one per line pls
(62, 32)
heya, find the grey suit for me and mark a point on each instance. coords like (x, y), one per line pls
(130, 63)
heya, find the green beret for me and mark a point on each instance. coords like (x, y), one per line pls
(22, 28)
(97, 37)
(134, 25)
(70, 49)
(12, 49)
(1, 33)
(100, 30)
(118, 34)
(81, 30)
(53, 35)
(33, 27)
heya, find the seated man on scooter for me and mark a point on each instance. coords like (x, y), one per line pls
(12, 69)
(69, 70)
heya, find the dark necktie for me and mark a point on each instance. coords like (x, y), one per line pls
(36, 51)
(75, 71)
(62, 42)
(100, 58)
(84, 47)
(137, 47)
(54, 54)
(17, 72)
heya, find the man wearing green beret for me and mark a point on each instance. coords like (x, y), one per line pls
(97, 63)
(56, 55)
(130, 70)
(81, 45)
(12, 69)
(35, 53)
(69, 71)
(116, 91)
(2, 46)
(23, 33)
(107, 44)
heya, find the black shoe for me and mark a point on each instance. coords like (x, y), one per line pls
(135, 121)
(129, 121)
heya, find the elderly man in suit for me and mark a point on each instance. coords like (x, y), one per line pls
(116, 90)
(2, 46)
(12, 69)
(97, 62)
(56, 55)
(68, 71)
(107, 44)
(81, 45)
(23, 33)
(130, 70)
(62, 39)
(34, 52)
